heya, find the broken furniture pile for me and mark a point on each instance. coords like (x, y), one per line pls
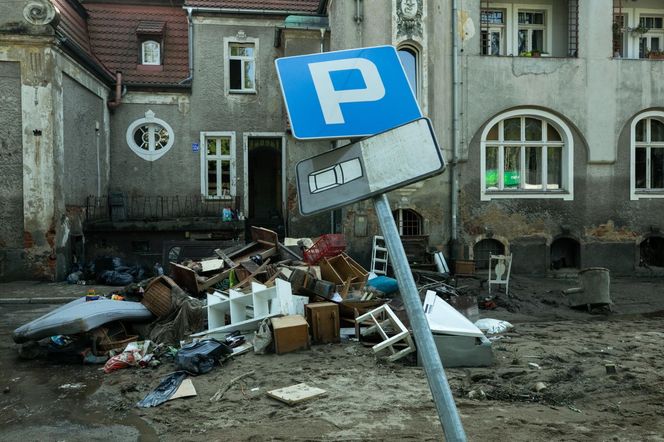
(263, 295)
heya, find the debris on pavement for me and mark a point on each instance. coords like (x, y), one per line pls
(295, 394)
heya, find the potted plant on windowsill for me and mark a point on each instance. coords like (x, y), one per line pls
(656, 55)
(640, 29)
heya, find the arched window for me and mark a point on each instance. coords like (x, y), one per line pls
(409, 222)
(526, 153)
(647, 155)
(151, 53)
(409, 59)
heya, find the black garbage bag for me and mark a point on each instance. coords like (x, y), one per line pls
(199, 357)
(166, 388)
(111, 277)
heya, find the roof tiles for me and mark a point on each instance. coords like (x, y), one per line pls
(302, 6)
(114, 37)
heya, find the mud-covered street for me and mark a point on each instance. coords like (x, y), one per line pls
(566, 351)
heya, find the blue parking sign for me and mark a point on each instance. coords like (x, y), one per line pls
(346, 94)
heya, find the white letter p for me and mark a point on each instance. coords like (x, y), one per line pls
(330, 99)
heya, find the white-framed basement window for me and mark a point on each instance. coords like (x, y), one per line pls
(526, 153)
(647, 156)
(218, 165)
(150, 53)
(241, 72)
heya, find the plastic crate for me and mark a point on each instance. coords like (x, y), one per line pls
(328, 245)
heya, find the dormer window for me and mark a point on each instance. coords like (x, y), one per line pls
(150, 36)
(151, 52)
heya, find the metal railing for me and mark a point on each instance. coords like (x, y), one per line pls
(122, 207)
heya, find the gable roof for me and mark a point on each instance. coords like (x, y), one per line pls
(114, 38)
(286, 6)
(72, 35)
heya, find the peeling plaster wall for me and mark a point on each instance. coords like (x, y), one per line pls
(47, 184)
(11, 172)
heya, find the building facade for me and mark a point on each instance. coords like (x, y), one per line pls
(126, 125)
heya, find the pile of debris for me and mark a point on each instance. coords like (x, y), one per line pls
(263, 295)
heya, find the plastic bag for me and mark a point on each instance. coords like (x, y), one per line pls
(493, 326)
(199, 357)
(262, 338)
(111, 277)
(166, 388)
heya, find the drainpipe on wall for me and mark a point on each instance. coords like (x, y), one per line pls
(118, 92)
(190, 38)
(454, 182)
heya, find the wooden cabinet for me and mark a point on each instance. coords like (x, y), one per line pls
(290, 333)
(323, 319)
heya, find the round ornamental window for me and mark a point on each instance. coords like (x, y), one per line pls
(150, 137)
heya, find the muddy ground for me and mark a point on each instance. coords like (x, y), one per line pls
(369, 399)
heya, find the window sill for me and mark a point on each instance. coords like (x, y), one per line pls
(647, 194)
(242, 92)
(489, 195)
(217, 198)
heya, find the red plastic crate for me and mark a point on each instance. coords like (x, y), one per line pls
(328, 245)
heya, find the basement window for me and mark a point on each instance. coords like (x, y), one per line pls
(565, 254)
(652, 252)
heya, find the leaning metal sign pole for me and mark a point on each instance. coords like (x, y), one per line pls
(365, 93)
(433, 366)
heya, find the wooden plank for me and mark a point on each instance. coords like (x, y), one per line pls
(214, 279)
(296, 393)
(220, 253)
(185, 278)
(212, 264)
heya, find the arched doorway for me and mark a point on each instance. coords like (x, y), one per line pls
(483, 249)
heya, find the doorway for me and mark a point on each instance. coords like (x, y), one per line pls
(265, 183)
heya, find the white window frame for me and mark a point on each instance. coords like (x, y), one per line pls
(494, 28)
(228, 57)
(548, 26)
(636, 194)
(567, 184)
(633, 18)
(152, 153)
(204, 159)
(144, 46)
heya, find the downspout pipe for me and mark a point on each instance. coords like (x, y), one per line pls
(190, 38)
(454, 181)
(118, 92)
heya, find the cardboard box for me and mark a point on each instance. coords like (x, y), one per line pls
(323, 319)
(291, 333)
